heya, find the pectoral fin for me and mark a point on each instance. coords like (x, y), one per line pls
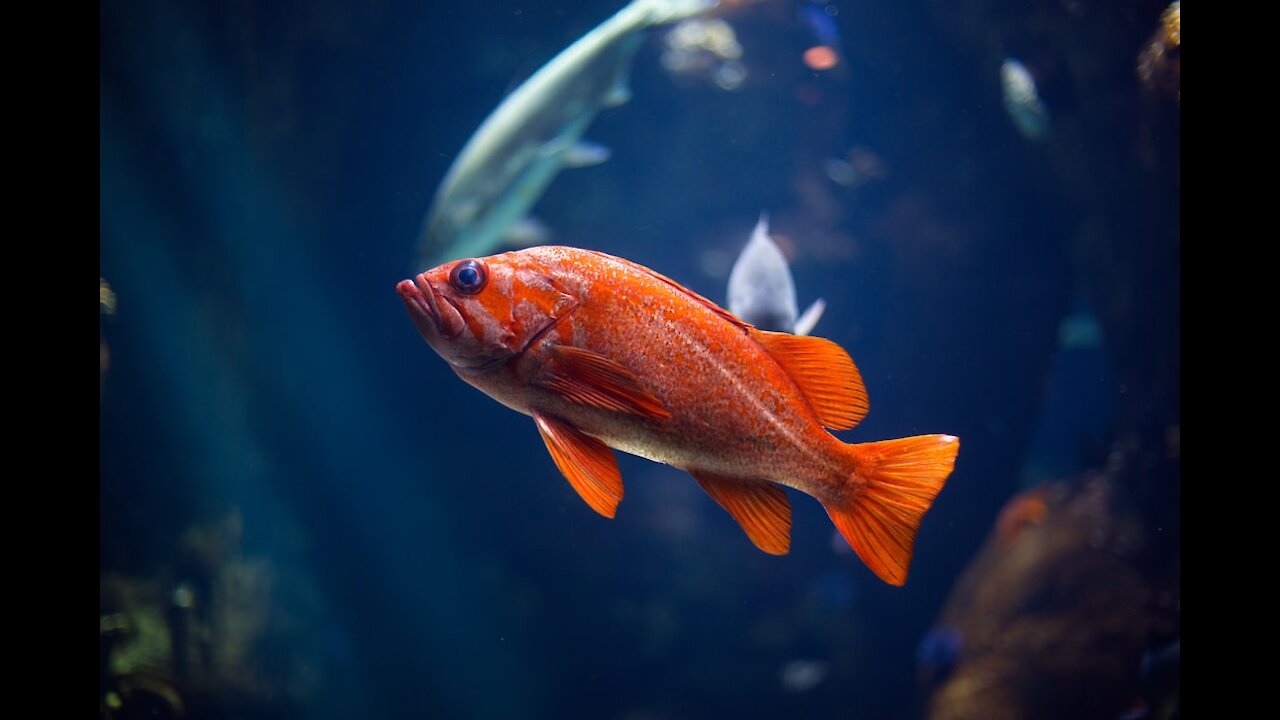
(585, 153)
(620, 94)
(586, 463)
(590, 379)
(761, 508)
(574, 153)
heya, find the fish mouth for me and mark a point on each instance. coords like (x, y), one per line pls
(432, 313)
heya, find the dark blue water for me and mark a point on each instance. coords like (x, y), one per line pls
(265, 168)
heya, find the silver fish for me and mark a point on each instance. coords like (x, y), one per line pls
(761, 290)
(1022, 100)
(507, 164)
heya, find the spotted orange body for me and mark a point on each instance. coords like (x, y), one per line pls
(604, 353)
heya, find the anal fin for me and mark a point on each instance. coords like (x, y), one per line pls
(587, 463)
(761, 508)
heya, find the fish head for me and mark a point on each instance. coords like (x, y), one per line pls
(479, 313)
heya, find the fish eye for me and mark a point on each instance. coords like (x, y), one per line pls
(469, 277)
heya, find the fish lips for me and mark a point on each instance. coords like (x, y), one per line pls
(432, 313)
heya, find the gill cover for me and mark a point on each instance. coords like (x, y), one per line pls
(488, 310)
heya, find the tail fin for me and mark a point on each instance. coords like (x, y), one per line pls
(895, 483)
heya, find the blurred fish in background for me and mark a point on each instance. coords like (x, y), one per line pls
(222, 632)
(106, 298)
(860, 166)
(761, 290)
(1079, 395)
(106, 311)
(705, 49)
(1024, 511)
(819, 17)
(1161, 681)
(1160, 62)
(803, 675)
(937, 654)
(1052, 603)
(536, 131)
(1022, 100)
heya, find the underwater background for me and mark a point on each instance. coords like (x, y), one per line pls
(305, 514)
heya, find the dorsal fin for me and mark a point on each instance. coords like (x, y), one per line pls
(738, 322)
(825, 374)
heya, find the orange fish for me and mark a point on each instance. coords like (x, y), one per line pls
(604, 353)
(1022, 512)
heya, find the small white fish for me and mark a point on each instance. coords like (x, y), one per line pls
(761, 290)
(537, 130)
(1022, 100)
(799, 676)
(1079, 330)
